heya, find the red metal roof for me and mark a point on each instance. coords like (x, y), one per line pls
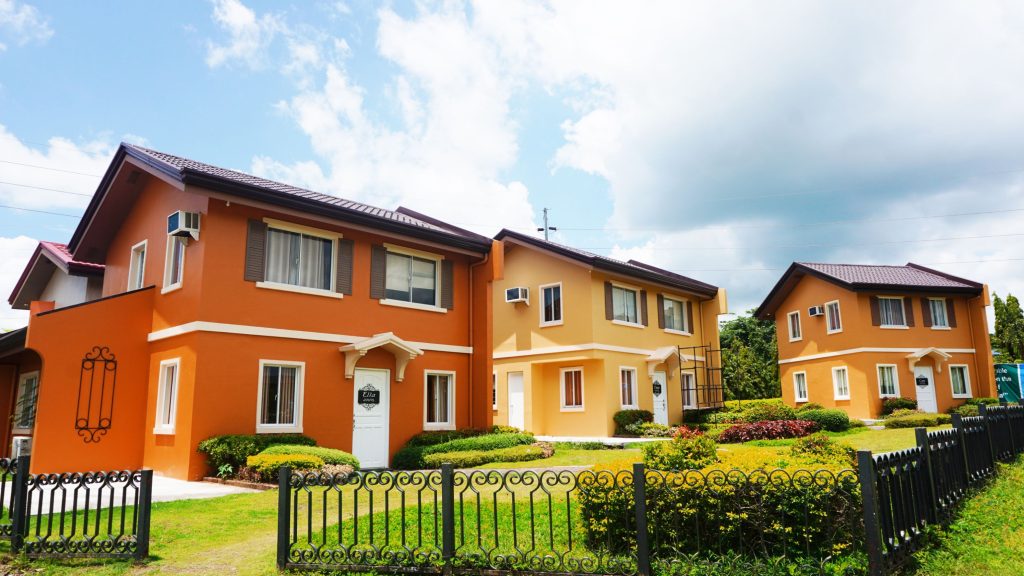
(60, 251)
(909, 275)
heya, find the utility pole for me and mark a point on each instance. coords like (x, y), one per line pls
(546, 228)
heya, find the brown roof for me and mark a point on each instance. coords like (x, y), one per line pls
(47, 257)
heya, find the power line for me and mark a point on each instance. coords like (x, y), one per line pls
(983, 261)
(41, 211)
(44, 188)
(790, 246)
(49, 168)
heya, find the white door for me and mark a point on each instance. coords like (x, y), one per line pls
(659, 388)
(924, 382)
(516, 401)
(370, 417)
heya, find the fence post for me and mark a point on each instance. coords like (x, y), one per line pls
(958, 426)
(983, 412)
(447, 516)
(921, 435)
(643, 547)
(144, 505)
(19, 515)
(284, 515)
(869, 499)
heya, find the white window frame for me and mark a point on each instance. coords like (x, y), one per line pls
(686, 318)
(561, 389)
(308, 231)
(450, 424)
(167, 427)
(633, 388)
(561, 307)
(636, 303)
(168, 286)
(903, 313)
(828, 317)
(300, 388)
(683, 377)
(796, 387)
(945, 313)
(17, 394)
(967, 381)
(133, 268)
(437, 258)
(835, 383)
(799, 326)
(895, 380)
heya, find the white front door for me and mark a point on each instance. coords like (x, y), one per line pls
(659, 388)
(924, 383)
(516, 401)
(370, 417)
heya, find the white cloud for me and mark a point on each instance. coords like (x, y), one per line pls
(23, 23)
(14, 254)
(249, 35)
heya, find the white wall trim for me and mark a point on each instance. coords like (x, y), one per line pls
(861, 350)
(245, 330)
(161, 391)
(591, 346)
(450, 424)
(300, 391)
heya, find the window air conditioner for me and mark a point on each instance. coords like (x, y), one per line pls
(816, 311)
(21, 446)
(518, 294)
(183, 223)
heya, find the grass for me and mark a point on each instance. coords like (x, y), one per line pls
(571, 457)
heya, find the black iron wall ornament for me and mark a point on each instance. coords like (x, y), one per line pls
(96, 383)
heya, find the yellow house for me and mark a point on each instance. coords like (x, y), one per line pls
(578, 337)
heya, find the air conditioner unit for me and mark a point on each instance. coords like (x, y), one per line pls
(816, 311)
(517, 294)
(183, 223)
(21, 446)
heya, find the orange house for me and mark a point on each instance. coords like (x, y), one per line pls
(225, 303)
(851, 335)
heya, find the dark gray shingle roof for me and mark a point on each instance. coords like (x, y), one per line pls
(910, 275)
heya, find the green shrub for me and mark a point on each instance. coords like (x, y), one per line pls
(980, 401)
(891, 404)
(738, 564)
(267, 465)
(683, 452)
(742, 405)
(831, 420)
(768, 412)
(916, 420)
(857, 423)
(810, 406)
(649, 430)
(328, 455)
(966, 410)
(625, 418)
(470, 458)
(901, 412)
(411, 457)
(433, 437)
(499, 429)
(234, 449)
(584, 446)
(820, 449)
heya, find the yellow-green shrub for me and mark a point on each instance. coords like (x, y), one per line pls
(266, 465)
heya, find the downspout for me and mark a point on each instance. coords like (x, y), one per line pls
(472, 355)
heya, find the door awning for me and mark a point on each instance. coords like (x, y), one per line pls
(937, 355)
(402, 350)
(664, 355)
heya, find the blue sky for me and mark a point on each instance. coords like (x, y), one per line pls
(720, 141)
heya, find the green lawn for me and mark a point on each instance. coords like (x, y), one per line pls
(571, 457)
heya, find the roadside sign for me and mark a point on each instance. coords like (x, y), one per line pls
(1008, 380)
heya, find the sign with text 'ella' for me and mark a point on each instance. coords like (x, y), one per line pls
(922, 381)
(1008, 379)
(369, 397)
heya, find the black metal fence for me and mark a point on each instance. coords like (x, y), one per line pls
(906, 491)
(75, 514)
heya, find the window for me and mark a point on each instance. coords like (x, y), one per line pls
(833, 320)
(937, 306)
(841, 383)
(572, 389)
(411, 279)
(624, 308)
(440, 401)
(888, 382)
(174, 266)
(675, 316)
(551, 305)
(800, 386)
(627, 387)
(689, 391)
(794, 326)
(494, 391)
(300, 259)
(890, 312)
(280, 397)
(137, 266)
(167, 397)
(25, 408)
(960, 380)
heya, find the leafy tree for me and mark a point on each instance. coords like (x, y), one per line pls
(1008, 339)
(750, 359)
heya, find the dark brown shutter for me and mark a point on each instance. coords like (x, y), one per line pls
(926, 313)
(447, 285)
(689, 317)
(876, 315)
(661, 311)
(608, 312)
(908, 311)
(343, 280)
(378, 271)
(256, 251)
(643, 307)
(950, 313)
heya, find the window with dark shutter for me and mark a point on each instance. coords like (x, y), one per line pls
(643, 307)
(876, 314)
(950, 313)
(343, 284)
(447, 285)
(908, 312)
(661, 311)
(609, 312)
(926, 312)
(378, 271)
(256, 251)
(689, 317)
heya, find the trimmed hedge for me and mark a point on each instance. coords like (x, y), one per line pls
(625, 418)
(916, 420)
(689, 450)
(889, 405)
(768, 412)
(810, 406)
(328, 455)
(470, 458)
(831, 420)
(267, 465)
(234, 449)
(411, 456)
(767, 431)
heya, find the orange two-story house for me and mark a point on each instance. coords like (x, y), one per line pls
(851, 335)
(233, 304)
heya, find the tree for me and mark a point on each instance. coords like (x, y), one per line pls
(1008, 339)
(750, 358)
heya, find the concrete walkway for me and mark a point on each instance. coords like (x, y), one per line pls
(164, 490)
(606, 440)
